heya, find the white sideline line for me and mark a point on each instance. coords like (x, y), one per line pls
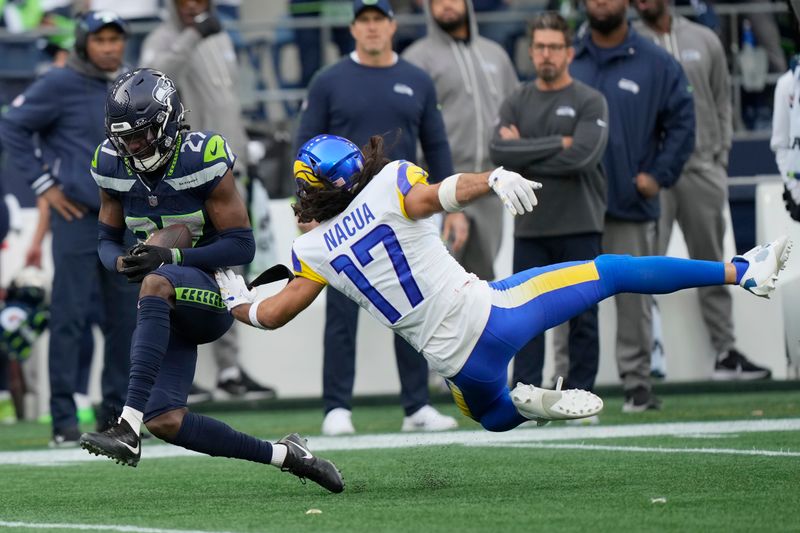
(646, 449)
(99, 527)
(472, 438)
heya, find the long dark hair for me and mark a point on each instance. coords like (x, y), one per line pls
(320, 204)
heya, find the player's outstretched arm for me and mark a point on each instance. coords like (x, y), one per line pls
(266, 313)
(454, 192)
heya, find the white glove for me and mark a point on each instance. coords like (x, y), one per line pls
(233, 289)
(514, 191)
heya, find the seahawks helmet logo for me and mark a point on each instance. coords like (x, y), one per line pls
(163, 90)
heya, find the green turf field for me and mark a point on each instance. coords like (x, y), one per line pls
(706, 462)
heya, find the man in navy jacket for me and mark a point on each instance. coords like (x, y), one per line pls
(651, 136)
(50, 133)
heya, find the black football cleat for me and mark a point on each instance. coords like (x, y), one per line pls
(302, 464)
(119, 442)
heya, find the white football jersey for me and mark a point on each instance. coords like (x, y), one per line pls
(399, 270)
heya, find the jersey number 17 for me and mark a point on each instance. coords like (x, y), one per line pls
(361, 249)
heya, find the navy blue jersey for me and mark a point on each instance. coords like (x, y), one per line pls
(196, 167)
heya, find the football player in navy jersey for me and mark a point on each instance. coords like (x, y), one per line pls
(153, 173)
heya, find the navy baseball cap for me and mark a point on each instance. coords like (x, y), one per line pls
(381, 5)
(94, 21)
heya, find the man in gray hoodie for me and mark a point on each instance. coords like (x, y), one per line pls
(473, 76)
(191, 48)
(697, 201)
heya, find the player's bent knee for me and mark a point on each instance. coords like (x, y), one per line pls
(155, 285)
(167, 425)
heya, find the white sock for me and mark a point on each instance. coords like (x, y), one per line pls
(133, 418)
(232, 373)
(81, 400)
(278, 454)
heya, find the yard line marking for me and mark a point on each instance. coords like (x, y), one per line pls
(472, 438)
(649, 449)
(480, 437)
(100, 527)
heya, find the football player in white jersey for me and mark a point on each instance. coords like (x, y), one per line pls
(376, 244)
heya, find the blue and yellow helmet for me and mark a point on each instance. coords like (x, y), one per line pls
(327, 158)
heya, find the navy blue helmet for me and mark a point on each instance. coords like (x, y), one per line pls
(144, 117)
(327, 159)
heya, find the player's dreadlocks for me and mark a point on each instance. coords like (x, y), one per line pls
(320, 204)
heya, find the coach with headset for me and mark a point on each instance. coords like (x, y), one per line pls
(50, 133)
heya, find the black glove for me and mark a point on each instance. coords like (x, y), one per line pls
(207, 24)
(143, 259)
(272, 274)
(791, 206)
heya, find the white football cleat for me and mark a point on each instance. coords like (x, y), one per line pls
(338, 421)
(428, 419)
(543, 405)
(764, 263)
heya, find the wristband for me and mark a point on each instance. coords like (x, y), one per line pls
(177, 256)
(253, 314)
(447, 194)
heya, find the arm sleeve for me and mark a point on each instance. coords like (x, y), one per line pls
(779, 142)
(233, 247)
(110, 245)
(589, 142)
(34, 111)
(433, 138)
(676, 122)
(519, 153)
(314, 119)
(721, 88)
(169, 55)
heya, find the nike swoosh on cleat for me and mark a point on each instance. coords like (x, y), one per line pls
(304, 450)
(131, 448)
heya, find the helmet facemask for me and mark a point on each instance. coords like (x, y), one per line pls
(147, 147)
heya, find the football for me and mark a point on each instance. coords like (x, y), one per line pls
(173, 236)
